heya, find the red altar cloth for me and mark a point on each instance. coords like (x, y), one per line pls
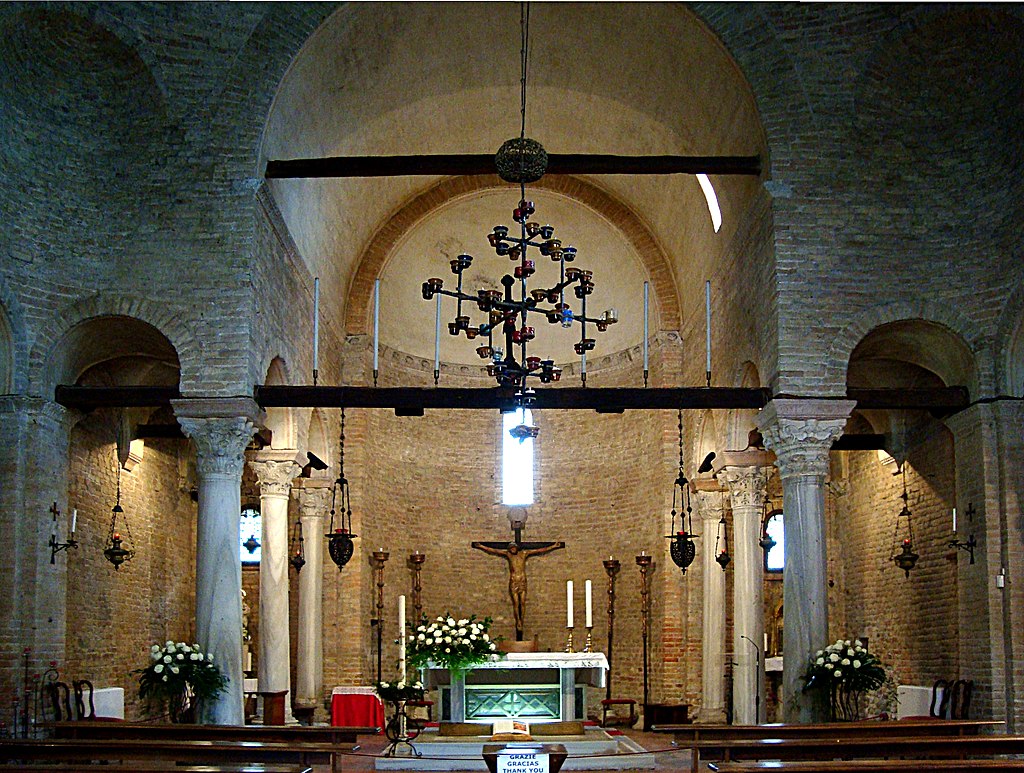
(356, 710)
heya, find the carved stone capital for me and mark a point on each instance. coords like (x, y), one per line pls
(221, 430)
(313, 502)
(275, 472)
(801, 433)
(710, 505)
(747, 486)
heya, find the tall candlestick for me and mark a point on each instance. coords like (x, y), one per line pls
(437, 339)
(376, 328)
(707, 327)
(568, 603)
(316, 327)
(589, 604)
(401, 637)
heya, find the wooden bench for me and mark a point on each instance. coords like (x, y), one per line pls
(344, 737)
(685, 734)
(196, 752)
(871, 766)
(859, 748)
(135, 766)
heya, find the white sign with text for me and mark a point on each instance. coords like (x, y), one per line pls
(523, 762)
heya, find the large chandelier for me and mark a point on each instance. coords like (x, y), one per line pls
(522, 160)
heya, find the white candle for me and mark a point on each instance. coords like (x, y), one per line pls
(707, 320)
(376, 321)
(74, 520)
(590, 604)
(766, 642)
(316, 323)
(568, 604)
(401, 637)
(647, 289)
(437, 335)
(954, 520)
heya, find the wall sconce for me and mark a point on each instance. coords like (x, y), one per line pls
(57, 547)
(906, 559)
(971, 543)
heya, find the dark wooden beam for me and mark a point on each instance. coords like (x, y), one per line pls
(859, 443)
(87, 398)
(475, 164)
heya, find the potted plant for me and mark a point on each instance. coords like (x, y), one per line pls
(179, 678)
(844, 671)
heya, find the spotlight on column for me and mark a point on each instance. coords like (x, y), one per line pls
(705, 466)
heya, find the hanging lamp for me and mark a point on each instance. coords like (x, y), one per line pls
(298, 558)
(116, 553)
(722, 544)
(682, 548)
(906, 559)
(339, 539)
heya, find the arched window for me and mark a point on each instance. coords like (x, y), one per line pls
(516, 460)
(250, 533)
(774, 557)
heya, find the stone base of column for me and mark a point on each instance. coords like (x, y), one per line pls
(710, 716)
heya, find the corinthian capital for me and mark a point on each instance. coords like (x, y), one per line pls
(221, 430)
(746, 485)
(313, 502)
(801, 432)
(275, 474)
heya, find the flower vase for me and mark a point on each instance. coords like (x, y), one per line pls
(844, 704)
(181, 707)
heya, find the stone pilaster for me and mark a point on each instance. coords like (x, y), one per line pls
(801, 433)
(711, 506)
(309, 673)
(221, 429)
(275, 471)
(744, 477)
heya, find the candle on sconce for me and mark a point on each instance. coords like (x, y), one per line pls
(316, 324)
(376, 323)
(707, 325)
(74, 520)
(647, 289)
(954, 520)
(766, 642)
(587, 588)
(401, 637)
(568, 604)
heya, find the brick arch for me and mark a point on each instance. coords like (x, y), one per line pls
(838, 357)
(166, 319)
(360, 297)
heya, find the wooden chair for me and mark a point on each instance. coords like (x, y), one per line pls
(616, 719)
(60, 701)
(80, 686)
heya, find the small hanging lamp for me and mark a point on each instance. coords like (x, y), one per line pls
(722, 544)
(115, 552)
(906, 559)
(339, 540)
(682, 548)
(766, 542)
(298, 559)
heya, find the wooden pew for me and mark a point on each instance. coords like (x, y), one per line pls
(859, 748)
(871, 766)
(343, 737)
(685, 734)
(135, 766)
(196, 752)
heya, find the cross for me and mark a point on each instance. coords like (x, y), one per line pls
(516, 553)
(971, 512)
(55, 511)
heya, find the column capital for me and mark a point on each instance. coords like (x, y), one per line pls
(221, 430)
(275, 471)
(801, 433)
(710, 502)
(313, 501)
(747, 485)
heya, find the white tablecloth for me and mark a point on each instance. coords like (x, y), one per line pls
(353, 691)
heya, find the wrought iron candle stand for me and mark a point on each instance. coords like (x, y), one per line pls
(611, 568)
(645, 562)
(379, 558)
(416, 560)
(398, 731)
(57, 547)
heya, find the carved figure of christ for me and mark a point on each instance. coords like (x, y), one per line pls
(516, 554)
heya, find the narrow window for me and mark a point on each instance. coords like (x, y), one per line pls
(712, 199)
(250, 533)
(774, 558)
(516, 460)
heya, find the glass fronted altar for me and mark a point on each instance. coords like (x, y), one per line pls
(535, 686)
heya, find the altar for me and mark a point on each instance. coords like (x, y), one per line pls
(535, 686)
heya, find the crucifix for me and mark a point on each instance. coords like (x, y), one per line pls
(516, 552)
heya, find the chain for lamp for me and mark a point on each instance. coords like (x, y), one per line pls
(682, 548)
(339, 540)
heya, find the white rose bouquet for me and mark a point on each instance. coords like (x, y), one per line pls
(455, 643)
(846, 664)
(400, 691)
(178, 676)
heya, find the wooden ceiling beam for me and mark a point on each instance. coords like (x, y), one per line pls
(477, 164)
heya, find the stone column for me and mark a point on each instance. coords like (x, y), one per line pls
(711, 506)
(801, 432)
(221, 430)
(309, 674)
(275, 471)
(743, 474)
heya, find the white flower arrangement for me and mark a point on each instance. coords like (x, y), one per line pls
(846, 664)
(179, 673)
(456, 644)
(400, 690)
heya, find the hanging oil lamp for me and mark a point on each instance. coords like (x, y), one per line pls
(722, 545)
(906, 559)
(298, 559)
(115, 552)
(339, 540)
(682, 548)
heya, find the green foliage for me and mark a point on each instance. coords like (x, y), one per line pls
(179, 672)
(456, 644)
(846, 664)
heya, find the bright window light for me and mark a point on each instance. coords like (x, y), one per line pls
(516, 460)
(709, 194)
(251, 527)
(774, 561)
